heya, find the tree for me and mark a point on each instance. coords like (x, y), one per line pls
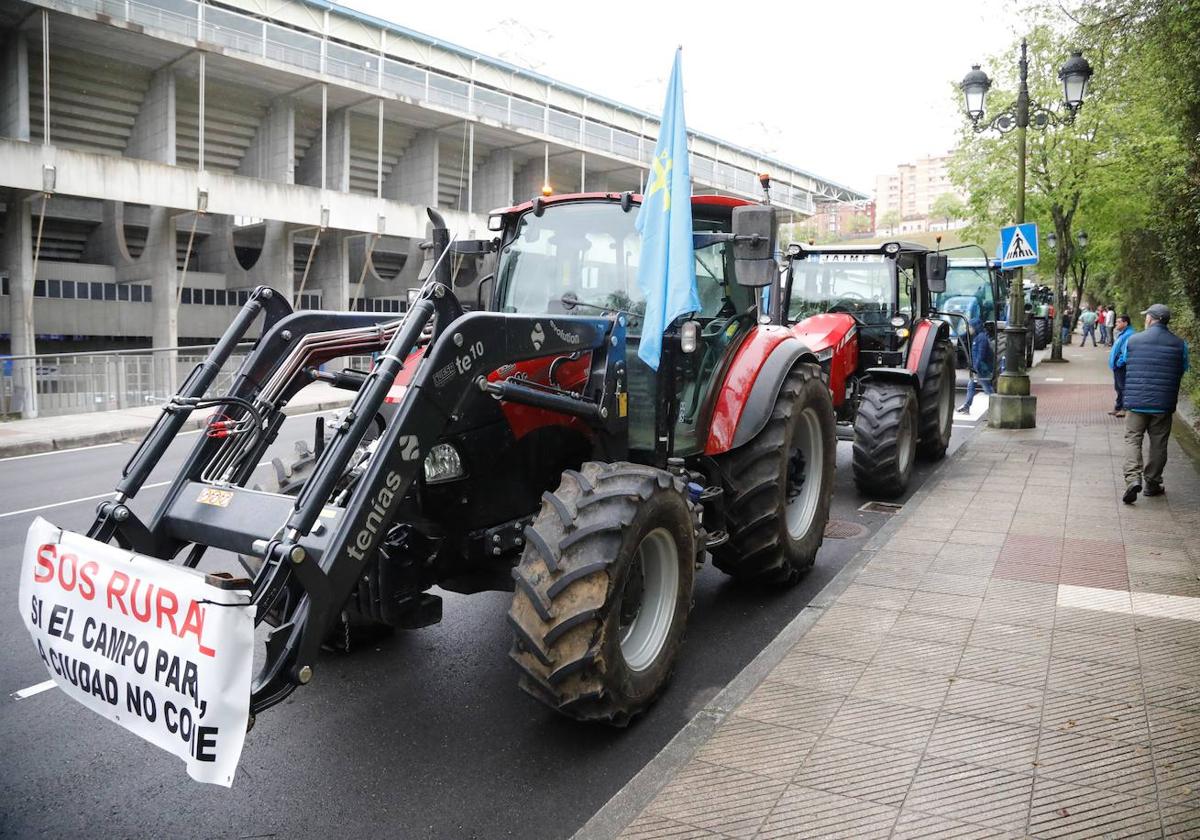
(1064, 160)
(889, 220)
(949, 207)
(859, 223)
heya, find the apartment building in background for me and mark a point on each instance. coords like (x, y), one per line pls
(909, 192)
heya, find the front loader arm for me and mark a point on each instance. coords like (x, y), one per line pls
(465, 351)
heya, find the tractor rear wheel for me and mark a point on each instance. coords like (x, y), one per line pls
(1041, 333)
(885, 439)
(778, 486)
(603, 591)
(937, 403)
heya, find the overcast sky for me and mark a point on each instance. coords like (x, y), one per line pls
(845, 89)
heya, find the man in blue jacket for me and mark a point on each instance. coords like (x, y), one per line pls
(982, 362)
(1123, 329)
(1155, 361)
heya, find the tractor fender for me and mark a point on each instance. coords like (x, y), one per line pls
(899, 376)
(925, 336)
(752, 385)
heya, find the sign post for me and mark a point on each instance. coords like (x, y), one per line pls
(1013, 407)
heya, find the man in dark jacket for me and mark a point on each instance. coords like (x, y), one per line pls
(982, 362)
(1155, 361)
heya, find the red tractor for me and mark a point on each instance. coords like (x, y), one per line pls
(523, 447)
(867, 312)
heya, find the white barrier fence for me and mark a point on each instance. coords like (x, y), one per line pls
(77, 383)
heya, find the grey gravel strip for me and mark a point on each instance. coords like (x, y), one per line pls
(627, 803)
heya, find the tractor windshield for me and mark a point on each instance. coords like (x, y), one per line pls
(969, 294)
(589, 250)
(861, 284)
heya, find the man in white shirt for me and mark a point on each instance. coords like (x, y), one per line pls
(1110, 320)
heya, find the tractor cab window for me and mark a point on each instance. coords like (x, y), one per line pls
(589, 250)
(906, 287)
(968, 294)
(860, 284)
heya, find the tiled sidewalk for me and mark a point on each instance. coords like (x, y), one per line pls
(1018, 657)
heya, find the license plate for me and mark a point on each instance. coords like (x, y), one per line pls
(149, 645)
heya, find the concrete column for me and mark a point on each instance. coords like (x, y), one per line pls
(337, 155)
(157, 264)
(414, 178)
(528, 182)
(272, 153)
(494, 182)
(16, 256)
(14, 87)
(331, 271)
(276, 264)
(153, 135)
(358, 249)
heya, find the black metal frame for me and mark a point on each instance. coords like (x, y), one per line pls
(323, 562)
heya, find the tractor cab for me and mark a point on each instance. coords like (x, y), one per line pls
(874, 285)
(579, 255)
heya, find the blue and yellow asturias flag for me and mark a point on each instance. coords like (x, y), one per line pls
(667, 267)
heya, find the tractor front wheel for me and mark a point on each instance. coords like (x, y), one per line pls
(603, 591)
(937, 403)
(885, 439)
(778, 486)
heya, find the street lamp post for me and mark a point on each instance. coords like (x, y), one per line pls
(1013, 407)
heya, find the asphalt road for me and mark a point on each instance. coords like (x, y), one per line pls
(425, 735)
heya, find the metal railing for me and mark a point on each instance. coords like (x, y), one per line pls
(79, 383)
(244, 35)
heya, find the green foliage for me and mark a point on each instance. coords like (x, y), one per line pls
(859, 223)
(1127, 171)
(949, 207)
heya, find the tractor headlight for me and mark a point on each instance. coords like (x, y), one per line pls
(443, 463)
(825, 355)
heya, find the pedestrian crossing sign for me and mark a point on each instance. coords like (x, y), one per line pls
(1018, 245)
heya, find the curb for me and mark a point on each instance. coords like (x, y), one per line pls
(627, 803)
(75, 441)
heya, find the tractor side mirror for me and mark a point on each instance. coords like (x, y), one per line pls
(754, 245)
(936, 266)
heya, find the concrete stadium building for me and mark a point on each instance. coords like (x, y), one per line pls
(160, 158)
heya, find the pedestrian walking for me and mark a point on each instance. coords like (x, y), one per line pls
(1110, 319)
(1102, 324)
(1088, 318)
(1155, 362)
(983, 364)
(1068, 316)
(1124, 329)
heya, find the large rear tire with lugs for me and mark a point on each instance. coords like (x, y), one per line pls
(1041, 332)
(778, 486)
(937, 403)
(885, 439)
(603, 591)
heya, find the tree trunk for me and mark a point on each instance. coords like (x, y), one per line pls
(1063, 258)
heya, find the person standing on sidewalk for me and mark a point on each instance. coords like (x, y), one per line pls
(1110, 324)
(1088, 318)
(982, 362)
(1124, 329)
(1068, 316)
(1155, 362)
(1102, 324)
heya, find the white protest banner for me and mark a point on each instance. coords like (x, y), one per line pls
(145, 643)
